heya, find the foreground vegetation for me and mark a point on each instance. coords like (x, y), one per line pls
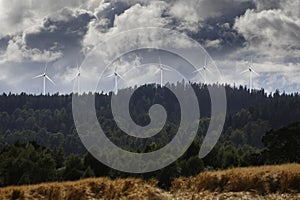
(265, 182)
(39, 142)
(31, 163)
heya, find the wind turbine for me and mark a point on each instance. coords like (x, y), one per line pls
(117, 76)
(76, 79)
(45, 76)
(161, 69)
(204, 69)
(250, 70)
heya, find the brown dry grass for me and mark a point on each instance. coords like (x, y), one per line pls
(93, 188)
(261, 180)
(266, 182)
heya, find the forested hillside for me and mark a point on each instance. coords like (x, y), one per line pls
(39, 141)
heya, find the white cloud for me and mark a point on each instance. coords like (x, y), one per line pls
(270, 28)
(187, 13)
(213, 43)
(11, 21)
(16, 16)
(17, 51)
(289, 7)
(137, 16)
(271, 33)
(142, 16)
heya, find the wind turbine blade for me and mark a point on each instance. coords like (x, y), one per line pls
(164, 68)
(73, 79)
(244, 71)
(208, 70)
(78, 67)
(121, 77)
(254, 72)
(247, 63)
(38, 76)
(198, 70)
(109, 76)
(47, 77)
(130, 70)
(158, 70)
(159, 60)
(46, 66)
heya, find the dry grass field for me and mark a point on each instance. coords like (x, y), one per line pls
(92, 188)
(266, 182)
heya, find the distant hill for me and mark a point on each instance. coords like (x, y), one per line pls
(266, 182)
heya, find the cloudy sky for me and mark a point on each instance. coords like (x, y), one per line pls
(63, 33)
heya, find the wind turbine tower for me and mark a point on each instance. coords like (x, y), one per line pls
(161, 69)
(77, 77)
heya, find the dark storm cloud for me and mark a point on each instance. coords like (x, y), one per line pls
(228, 38)
(65, 35)
(267, 4)
(215, 23)
(111, 10)
(4, 42)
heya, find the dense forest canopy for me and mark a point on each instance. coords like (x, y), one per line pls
(39, 141)
(48, 120)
